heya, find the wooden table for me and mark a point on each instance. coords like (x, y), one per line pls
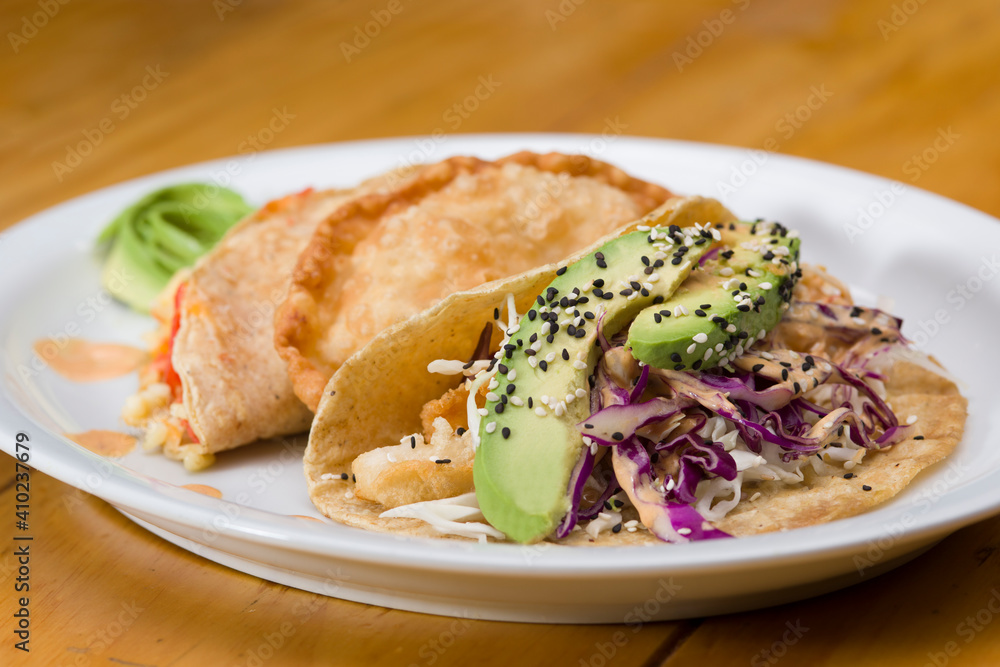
(94, 93)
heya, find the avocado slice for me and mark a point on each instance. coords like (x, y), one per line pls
(736, 297)
(529, 441)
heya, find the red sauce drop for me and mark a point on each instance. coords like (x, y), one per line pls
(83, 361)
(105, 443)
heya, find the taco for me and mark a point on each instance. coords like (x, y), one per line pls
(214, 381)
(457, 224)
(684, 379)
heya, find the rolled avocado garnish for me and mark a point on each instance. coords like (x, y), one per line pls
(529, 441)
(165, 231)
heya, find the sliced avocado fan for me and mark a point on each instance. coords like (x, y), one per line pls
(165, 231)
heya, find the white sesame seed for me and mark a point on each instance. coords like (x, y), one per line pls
(761, 334)
(492, 397)
(643, 228)
(550, 357)
(755, 496)
(653, 277)
(708, 354)
(731, 328)
(680, 310)
(753, 274)
(483, 412)
(570, 398)
(512, 375)
(648, 285)
(691, 348)
(490, 427)
(632, 530)
(493, 384)
(659, 254)
(912, 419)
(631, 524)
(560, 409)
(719, 347)
(546, 327)
(683, 531)
(540, 412)
(593, 449)
(725, 271)
(766, 285)
(701, 337)
(581, 392)
(579, 365)
(536, 346)
(532, 362)
(513, 330)
(516, 400)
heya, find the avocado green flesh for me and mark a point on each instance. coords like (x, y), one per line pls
(522, 478)
(719, 324)
(165, 231)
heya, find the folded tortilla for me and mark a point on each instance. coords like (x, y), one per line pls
(217, 335)
(457, 224)
(376, 398)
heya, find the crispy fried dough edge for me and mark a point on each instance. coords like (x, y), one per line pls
(339, 234)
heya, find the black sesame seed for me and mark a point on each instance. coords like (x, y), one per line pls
(617, 436)
(561, 271)
(696, 365)
(676, 260)
(599, 282)
(510, 347)
(625, 292)
(784, 373)
(496, 313)
(636, 286)
(607, 505)
(550, 338)
(443, 461)
(544, 365)
(598, 292)
(565, 354)
(571, 330)
(531, 402)
(588, 426)
(530, 352)
(678, 367)
(588, 315)
(617, 528)
(503, 369)
(757, 368)
(599, 255)
(876, 331)
(581, 332)
(706, 306)
(644, 292)
(918, 437)
(797, 387)
(644, 260)
(743, 335)
(608, 296)
(657, 318)
(601, 264)
(564, 302)
(658, 263)
(540, 300)
(648, 270)
(354, 479)
(743, 308)
(674, 357)
(343, 475)
(501, 407)
(719, 320)
(505, 432)
(865, 487)
(510, 389)
(413, 442)
(849, 475)
(700, 313)
(665, 312)
(727, 254)
(856, 312)
(460, 431)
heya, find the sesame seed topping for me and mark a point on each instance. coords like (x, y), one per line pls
(491, 426)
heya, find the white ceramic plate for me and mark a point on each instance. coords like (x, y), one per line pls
(917, 248)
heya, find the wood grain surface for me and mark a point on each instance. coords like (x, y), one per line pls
(94, 93)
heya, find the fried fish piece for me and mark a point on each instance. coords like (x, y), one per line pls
(459, 223)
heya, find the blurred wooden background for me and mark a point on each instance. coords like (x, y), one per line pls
(94, 93)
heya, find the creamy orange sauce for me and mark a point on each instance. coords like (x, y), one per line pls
(204, 490)
(303, 516)
(84, 361)
(105, 443)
